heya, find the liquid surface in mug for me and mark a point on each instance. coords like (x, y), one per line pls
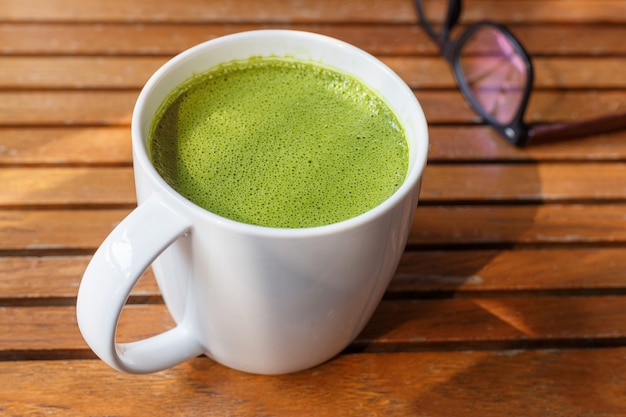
(279, 142)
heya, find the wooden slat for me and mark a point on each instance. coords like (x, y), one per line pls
(420, 273)
(544, 11)
(418, 72)
(111, 146)
(26, 280)
(56, 230)
(67, 186)
(202, 11)
(33, 277)
(294, 11)
(35, 108)
(425, 273)
(510, 225)
(573, 39)
(397, 325)
(542, 182)
(65, 146)
(482, 143)
(549, 182)
(503, 322)
(550, 73)
(84, 230)
(514, 272)
(43, 108)
(456, 384)
(47, 329)
(548, 106)
(77, 72)
(168, 39)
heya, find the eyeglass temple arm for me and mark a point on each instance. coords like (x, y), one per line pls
(452, 17)
(551, 132)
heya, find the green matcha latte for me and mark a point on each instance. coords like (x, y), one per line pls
(279, 142)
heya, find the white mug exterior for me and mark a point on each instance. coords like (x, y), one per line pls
(257, 299)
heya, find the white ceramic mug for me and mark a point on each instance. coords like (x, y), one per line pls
(257, 299)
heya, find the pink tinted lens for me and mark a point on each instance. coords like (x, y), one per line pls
(495, 72)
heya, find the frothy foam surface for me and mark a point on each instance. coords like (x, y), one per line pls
(279, 142)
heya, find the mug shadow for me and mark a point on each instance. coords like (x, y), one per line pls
(447, 286)
(445, 264)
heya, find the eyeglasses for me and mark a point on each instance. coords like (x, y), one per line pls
(495, 74)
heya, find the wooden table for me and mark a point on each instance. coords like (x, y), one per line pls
(509, 301)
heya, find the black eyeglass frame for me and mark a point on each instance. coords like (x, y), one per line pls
(517, 132)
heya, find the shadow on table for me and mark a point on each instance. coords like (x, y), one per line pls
(449, 248)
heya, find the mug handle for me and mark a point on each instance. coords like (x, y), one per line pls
(108, 280)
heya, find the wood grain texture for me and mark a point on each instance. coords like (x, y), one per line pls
(55, 231)
(120, 72)
(102, 108)
(54, 280)
(511, 225)
(509, 300)
(65, 146)
(483, 144)
(67, 187)
(550, 182)
(77, 72)
(167, 39)
(393, 11)
(397, 325)
(421, 274)
(110, 146)
(532, 183)
(45, 39)
(63, 108)
(448, 384)
(468, 273)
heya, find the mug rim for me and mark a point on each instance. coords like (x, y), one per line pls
(418, 148)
